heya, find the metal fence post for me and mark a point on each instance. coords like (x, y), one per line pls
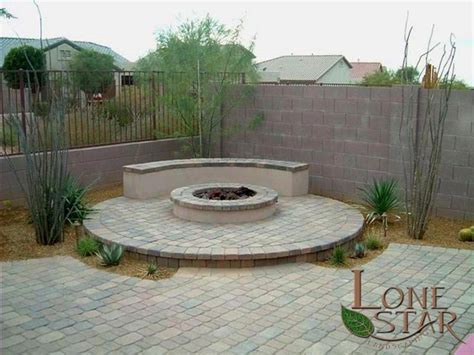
(22, 99)
(153, 100)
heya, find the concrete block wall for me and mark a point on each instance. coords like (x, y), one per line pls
(98, 165)
(350, 135)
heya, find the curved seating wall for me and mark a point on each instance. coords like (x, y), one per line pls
(149, 180)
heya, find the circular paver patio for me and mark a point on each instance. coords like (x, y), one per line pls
(301, 228)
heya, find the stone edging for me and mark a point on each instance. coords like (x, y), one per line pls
(183, 196)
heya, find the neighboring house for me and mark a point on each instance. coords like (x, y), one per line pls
(305, 69)
(361, 69)
(59, 51)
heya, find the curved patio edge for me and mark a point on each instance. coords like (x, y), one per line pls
(306, 251)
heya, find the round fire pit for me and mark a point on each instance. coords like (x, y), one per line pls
(223, 202)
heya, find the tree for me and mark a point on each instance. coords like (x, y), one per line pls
(408, 75)
(456, 85)
(93, 71)
(27, 58)
(202, 60)
(379, 78)
(5, 14)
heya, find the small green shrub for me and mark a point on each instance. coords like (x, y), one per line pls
(87, 246)
(466, 234)
(75, 209)
(151, 269)
(110, 255)
(116, 111)
(7, 204)
(373, 242)
(359, 250)
(8, 135)
(338, 256)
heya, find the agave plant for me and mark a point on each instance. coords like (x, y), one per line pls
(359, 250)
(382, 199)
(110, 255)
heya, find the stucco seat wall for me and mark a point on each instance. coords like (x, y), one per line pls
(141, 184)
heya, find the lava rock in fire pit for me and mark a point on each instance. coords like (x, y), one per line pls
(225, 193)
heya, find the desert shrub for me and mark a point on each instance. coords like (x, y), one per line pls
(338, 256)
(45, 172)
(110, 255)
(359, 250)
(151, 269)
(41, 108)
(373, 242)
(75, 208)
(8, 135)
(466, 234)
(118, 112)
(87, 246)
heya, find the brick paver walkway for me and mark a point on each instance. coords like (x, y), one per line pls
(59, 304)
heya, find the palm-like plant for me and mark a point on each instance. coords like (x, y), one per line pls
(75, 208)
(382, 199)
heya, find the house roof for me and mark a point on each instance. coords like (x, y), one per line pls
(301, 67)
(361, 69)
(7, 43)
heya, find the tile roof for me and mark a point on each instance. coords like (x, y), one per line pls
(361, 69)
(7, 43)
(300, 67)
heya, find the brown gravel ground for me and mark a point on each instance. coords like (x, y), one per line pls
(17, 239)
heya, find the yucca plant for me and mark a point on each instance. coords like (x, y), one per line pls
(382, 199)
(110, 255)
(151, 269)
(75, 208)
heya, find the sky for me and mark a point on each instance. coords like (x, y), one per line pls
(366, 31)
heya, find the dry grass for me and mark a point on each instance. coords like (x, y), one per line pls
(442, 232)
(17, 241)
(354, 262)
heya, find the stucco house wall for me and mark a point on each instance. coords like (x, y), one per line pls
(56, 58)
(340, 73)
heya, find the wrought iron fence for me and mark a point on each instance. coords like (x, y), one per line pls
(100, 107)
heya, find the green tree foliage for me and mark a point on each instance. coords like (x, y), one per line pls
(202, 61)
(388, 77)
(93, 71)
(408, 75)
(26, 58)
(456, 85)
(5, 14)
(379, 78)
(216, 47)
